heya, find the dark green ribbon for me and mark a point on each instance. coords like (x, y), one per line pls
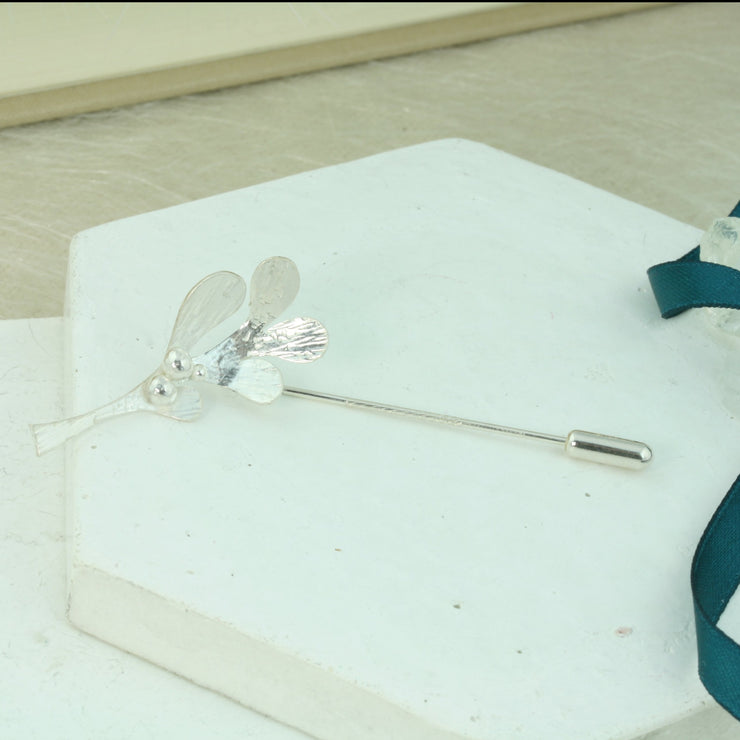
(715, 574)
(689, 283)
(715, 570)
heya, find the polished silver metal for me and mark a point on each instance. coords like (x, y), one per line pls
(601, 448)
(624, 453)
(236, 363)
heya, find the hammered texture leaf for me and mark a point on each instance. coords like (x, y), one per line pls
(273, 288)
(295, 340)
(210, 302)
(256, 380)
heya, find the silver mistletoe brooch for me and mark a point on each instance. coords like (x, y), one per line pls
(236, 363)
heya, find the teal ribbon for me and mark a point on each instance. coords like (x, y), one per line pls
(689, 283)
(715, 571)
(715, 574)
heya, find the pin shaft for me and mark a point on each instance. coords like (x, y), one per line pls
(583, 445)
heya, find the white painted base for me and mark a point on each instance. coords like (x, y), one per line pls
(366, 577)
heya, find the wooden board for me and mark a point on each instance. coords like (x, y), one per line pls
(60, 59)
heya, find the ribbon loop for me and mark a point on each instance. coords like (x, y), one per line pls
(715, 571)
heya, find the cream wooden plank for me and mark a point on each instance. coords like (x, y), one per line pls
(69, 43)
(58, 59)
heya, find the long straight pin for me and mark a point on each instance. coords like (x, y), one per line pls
(601, 448)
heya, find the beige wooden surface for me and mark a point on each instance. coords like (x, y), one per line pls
(644, 105)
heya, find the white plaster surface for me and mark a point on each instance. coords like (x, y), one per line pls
(363, 577)
(56, 682)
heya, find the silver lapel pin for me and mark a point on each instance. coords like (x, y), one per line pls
(238, 363)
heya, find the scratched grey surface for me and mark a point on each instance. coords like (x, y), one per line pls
(645, 106)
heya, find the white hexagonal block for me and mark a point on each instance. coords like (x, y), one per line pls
(361, 576)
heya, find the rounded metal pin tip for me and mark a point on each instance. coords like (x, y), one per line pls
(601, 448)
